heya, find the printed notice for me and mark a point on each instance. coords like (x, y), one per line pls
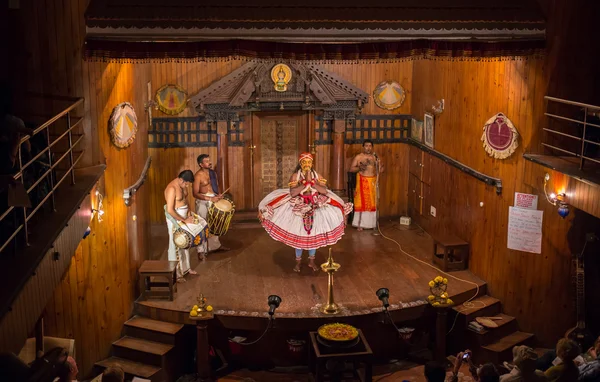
(525, 229)
(526, 201)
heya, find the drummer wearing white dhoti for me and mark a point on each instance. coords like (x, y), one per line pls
(177, 210)
(205, 190)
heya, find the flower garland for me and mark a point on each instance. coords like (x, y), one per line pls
(439, 295)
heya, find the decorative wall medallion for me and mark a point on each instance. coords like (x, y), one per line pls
(416, 130)
(281, 74)
(500, 138)
(122, 125)
(171, 99)
(389, 95)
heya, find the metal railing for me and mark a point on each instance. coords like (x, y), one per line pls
(23, 224)
(587, 110)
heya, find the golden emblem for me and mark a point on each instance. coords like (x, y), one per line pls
(281, 74)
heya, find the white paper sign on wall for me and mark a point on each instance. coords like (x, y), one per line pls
(525, 229)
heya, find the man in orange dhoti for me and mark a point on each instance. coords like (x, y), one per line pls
(366, 165)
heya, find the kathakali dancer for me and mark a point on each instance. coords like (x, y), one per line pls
(305, 216)
(177, 212)
(366, 165)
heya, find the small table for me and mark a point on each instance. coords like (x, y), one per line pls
(322, 355)
(158, 268)
(454, 254)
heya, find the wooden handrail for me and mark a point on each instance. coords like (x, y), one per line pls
(130, 191)
(496, 182)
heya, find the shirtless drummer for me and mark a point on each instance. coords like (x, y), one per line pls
(205, 190)
(176, 194)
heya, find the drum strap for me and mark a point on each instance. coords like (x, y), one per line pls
(214, 183)
(171, 218)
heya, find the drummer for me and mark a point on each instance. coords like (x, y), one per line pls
(176, 211)
(206, 191)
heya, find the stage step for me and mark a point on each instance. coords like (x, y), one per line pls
(484, 306)
(506, 326)
(152, 330)
(140, 350)
(133, 369)
(501, 350)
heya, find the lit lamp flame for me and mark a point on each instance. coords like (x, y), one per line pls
(99, 211)
(557, 199)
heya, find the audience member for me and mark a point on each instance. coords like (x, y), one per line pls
(113, 374)
(524, 359)
(485, 373)
(435, 372)
(566, 370)
(67, 372)
(590, 372)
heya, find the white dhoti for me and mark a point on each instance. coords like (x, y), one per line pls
(212, 243)
(175, 254)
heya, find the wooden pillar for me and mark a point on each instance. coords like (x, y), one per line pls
(222, 155)
(336, 177)
(202, 346)
(440, 334)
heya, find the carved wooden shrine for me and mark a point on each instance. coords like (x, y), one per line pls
(250, 88)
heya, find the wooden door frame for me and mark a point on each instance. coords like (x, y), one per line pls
(304, 137)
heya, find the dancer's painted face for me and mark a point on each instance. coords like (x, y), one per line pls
(306, 164)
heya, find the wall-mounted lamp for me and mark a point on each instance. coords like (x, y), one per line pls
(99, 210)
(556, 199)
(439, 108)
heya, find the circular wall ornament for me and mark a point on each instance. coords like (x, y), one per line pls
(171, 99)
(281, 74)
(389, 95)
(500, 138)
(122, 125)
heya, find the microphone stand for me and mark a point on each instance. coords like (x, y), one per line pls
(376, 232)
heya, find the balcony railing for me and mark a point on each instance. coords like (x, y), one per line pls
(577, 143)
(60, 140)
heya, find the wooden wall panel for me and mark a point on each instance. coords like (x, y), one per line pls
(194, 77)
(96, 295)
(531, 286)
(17, 324)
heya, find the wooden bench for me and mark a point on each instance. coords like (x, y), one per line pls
(450, 253)
(158, 268)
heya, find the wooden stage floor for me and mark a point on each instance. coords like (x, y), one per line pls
(238, 282)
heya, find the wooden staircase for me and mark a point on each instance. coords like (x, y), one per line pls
(491, 345)
(147, 350)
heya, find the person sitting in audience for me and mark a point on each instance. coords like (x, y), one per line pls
(113, 374)
(485, 373)
(590, 372)
(566, 370)
(524, 359)
(67, 372)
(435, 372)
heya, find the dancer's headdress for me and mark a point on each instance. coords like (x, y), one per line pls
(305, 156)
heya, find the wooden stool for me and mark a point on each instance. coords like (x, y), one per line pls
(321, 356)
(454, 254)
(158, 268)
